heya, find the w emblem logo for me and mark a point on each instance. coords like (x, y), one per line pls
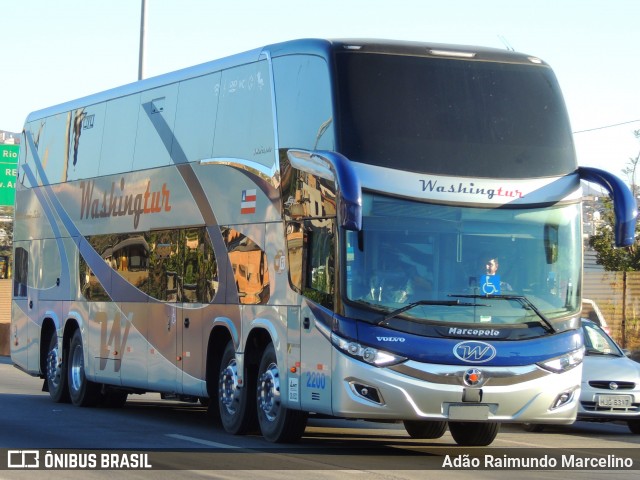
(474, 352)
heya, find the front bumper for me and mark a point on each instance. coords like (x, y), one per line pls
(589, 407)
(418, 391)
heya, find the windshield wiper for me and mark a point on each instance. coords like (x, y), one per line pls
(593, 351)
(446, 303)
(522, 300)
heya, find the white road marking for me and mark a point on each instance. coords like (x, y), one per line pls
(200, 441)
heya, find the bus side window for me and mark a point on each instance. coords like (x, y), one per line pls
(303, 97)
(295, 241)
(244, 123)
(199, 267)
(321, 259)
(21, 271)
(311, 248)
(164, 266)
(250, 267)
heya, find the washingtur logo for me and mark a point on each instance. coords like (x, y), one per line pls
(118, 202)
(473, 351)
(462, 188)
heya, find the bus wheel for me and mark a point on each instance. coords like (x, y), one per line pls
(83, 392)
(473, 434)
(236, 403)
(278, 423)
(425, 428)
(56, 372)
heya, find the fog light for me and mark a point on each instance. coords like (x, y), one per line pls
(367, 391)
(562, 399)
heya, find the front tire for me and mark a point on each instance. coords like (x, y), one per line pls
(278, 423)
(237, 404)
(474, 434)
(83, 392)
(56, 372)
(634, 426)
(533, 427)
(425, 429)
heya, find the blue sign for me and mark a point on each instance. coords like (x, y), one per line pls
(490, 284)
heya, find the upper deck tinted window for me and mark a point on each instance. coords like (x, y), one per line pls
(451, 116)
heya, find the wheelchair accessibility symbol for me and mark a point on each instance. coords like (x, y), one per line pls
(490, 284)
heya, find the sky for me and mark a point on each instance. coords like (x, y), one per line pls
(58, 50)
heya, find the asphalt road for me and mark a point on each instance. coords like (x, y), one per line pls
(183, 440)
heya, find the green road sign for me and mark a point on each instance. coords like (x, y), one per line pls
(8, 172)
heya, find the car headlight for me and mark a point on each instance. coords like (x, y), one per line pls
(370, 355)
(564, 362)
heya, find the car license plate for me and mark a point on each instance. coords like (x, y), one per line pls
(468, 412)
(614, 401)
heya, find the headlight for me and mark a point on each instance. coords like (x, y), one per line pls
(564, 362)
(370, 355)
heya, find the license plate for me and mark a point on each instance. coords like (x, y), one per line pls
(614, 401)
(468, 412)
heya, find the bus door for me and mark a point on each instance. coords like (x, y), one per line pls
(315, 377)
(316, 255)
(164, 317)
(196, 262)
(189, 349)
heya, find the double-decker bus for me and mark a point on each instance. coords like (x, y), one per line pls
(362, 229)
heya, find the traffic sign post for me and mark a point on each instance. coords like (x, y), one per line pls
(8, 173)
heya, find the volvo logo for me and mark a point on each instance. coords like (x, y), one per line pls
(613, 386)
(473, 351)
(472, 377)
(391, 339)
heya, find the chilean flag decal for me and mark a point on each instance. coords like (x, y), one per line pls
(248, 204)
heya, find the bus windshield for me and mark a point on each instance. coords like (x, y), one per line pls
(464, 265)
(452, 116)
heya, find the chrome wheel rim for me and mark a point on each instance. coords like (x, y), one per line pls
(269, 399)
(229, 391)
(53, 367)
(76, 372)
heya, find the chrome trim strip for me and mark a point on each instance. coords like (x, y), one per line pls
(454, 375)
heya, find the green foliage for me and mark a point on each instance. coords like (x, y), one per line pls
(603, 242)
(618, 259)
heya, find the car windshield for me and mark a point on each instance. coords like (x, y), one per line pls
(597, 342)
(422, 262)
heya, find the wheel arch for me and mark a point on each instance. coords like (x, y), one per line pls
(219, 336)
(259, 337)
(47, 330)
(70, 326)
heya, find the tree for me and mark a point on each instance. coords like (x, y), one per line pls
(617, 259)
(631, 169)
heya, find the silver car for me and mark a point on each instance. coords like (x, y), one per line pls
(610, 381)
(610, 389)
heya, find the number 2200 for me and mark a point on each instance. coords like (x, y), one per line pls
(316, 380)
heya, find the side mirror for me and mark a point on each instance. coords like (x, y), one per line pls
(336, 168)
(625, 208)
